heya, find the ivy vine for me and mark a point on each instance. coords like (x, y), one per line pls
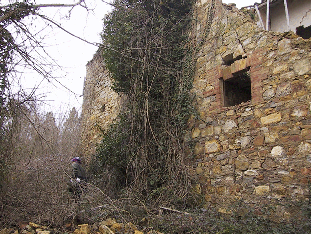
(146, 49)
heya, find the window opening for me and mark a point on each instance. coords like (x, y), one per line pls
(237, 89)
(303, 32)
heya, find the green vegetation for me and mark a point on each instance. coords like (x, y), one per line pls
(146, 48)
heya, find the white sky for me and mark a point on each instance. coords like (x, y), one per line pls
(71, 54)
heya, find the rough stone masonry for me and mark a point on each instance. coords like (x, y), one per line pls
(257, 147)
(252, 133)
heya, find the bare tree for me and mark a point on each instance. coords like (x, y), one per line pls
(70, 135)
(29, 142)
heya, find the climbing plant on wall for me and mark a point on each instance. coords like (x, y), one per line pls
(146, 49)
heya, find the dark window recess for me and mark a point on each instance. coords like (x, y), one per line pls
(237, 89)
(303, 32)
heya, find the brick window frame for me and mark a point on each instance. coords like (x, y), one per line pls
(253, 63)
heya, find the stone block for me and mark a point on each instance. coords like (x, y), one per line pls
(306, 134)
(287, 76)
(308, 84)
(279, 189)
(269, 164)
(304, 147)
(284, 46)
(283, 90)
(230, 113)
(222, 156)
(268, 94)
(259, 140)
(212, 146)
(103, 229)
(241, 163)
(217, 130)
(247, 112)
(229, 124)
(199, 148)
(245, 29)
(245, 141)
(196, 132)
(108, 222)
(263, 41)
(229, 38)
(273, 118)
(84, 229)
(208, 131)
(280, 68)
(302, 67)
(117, 227)
(209, 90)
(287, 179)
(278, 151)
(238, 65)
(222, 50)
(290, 139)
(297, 86)
(201, 61)
(258, 113)
(227, 169)
(200, 83)
(235, 147)
(139, 232)
(255, 164)
(305, 171)
(299, 112)
(271, 137)
(262, 190)
(251, 173)
(202, 125)
(239, 52)
(226, 73)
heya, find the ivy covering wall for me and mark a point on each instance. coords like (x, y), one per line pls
(147, 49)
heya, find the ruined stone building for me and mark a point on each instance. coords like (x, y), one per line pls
(252, 87)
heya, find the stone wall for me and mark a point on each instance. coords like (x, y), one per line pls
(254, 150)
(101, 105)
(260, 148)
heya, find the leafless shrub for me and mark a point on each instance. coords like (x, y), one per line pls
(38, 171)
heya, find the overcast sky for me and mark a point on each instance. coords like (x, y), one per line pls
(70, 53)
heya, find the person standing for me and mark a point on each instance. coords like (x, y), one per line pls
(78, 182)
(78, 171)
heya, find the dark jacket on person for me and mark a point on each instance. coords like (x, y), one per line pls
(78, 171)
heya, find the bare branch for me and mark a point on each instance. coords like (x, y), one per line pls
(65, 30)
(108, 3)
(58, 5)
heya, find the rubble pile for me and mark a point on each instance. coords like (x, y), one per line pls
(108, 226)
